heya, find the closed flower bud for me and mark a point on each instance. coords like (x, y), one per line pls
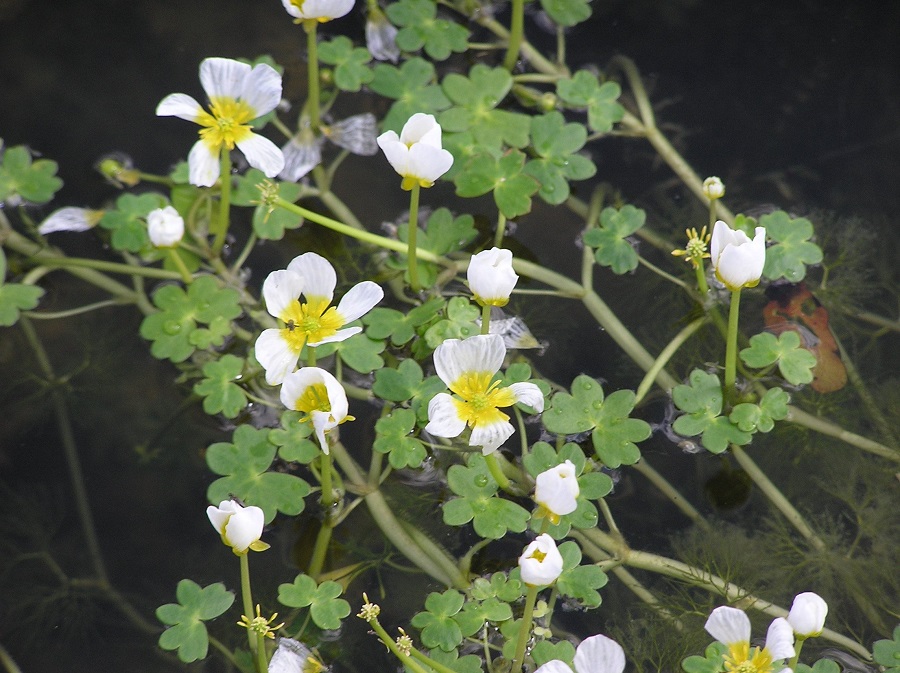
(240, 527)
(556, 490)
(416, 154)
(713, 188)
(165, 227)
(541, 562)
(737, 260)
(491, 277)
(807, 616)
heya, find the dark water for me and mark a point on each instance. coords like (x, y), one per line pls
(792, 105)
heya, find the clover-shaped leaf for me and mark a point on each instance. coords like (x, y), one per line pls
(439, 628)
(443, 234)
(712, 662)
(795, 363)
(22, 179)
(412, 86)
(491, 515)
(499, 585)
(469, 663)
(505, 176)
(268, 224)
(567, 12)
(829, 666)
(382, 323)
(584, 91)
(351, 70)
(887, 652)
(702, 401)
(545, 651)
(172, 330)
(475, 614)
(578, 581)
(218, 389)
(421, 27)
(244, 466)
(394, 438)
(186, 631)
(612, 432)
(459, 323)
(361, 353)
(609, 238)
(292, 438)
(793, 250)
(127, 221)
(325, 607)
(556, 144)
(761, 418)
(15, 298)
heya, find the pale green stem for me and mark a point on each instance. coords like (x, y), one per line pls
(516, 32)
(179, 264)
(830, 429)
(702, 285)
(533, 55)
(486, 319)
(245, 253)
(312, 64)
(798, 646)
(220, 231)
(731, 346)
(389, 642)
(665, 355)
(247, 597)
(224, 651)
(113, 267)
(669, 491)
(8, 662)
(501, 230)
(524, 629)
(497, 471)
(663, 274)
(411, 260)
(776, 497)
(262, 662)
(87, 308)
(439, 667)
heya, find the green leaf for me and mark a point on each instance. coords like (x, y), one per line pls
(387, 322)
(22, 178)
(325, 607)
(421, 27)
(612, 432)
(512, 187)
(172, 330)
(578, 581)
(556, 144)
(500, 585)
(459, 323)
(827, 666)
(14, 298)
(350, 71)
(292, 438)
(887, 652)
(761, 418)
(793, 250)
(794, 362)
(609, 238)
(545, 651)
(220, 393)
(267, 224)
(361, 353)
(712, 661)
(244, 466)
(187, 632)
(567, 12)
(491, 515)
(393, 437)
(127, 221)
(412, 86)
(442, 234)
(438, 627)
(702, 401)
(584, 91)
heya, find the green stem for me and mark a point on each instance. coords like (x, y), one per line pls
(731, 346)
(8, 662)
(497, 471)
(247, 596)
(524, 629)
(221, 228)
(312, 83)
(389, 642)
(486, 319)
(655, 478)
(262, 662)
(702, 285)
(428, 661)
(820, 425)
(516, 32)
(798, 646)
(663, 358)
(87, 308)
(411, 262)
(113, 267)
(501, 230)
(179, 264)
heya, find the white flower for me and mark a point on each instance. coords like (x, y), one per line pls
(491, 277)
(737, 260)
(731, 627)
(165, 227)
(467, 367)
(556, 490)
(302, 153)
(713, 188)
(416, 154)
(237, 94)
(807, 616)
(312, 322)
(381, 36)
(318, 10)
(240, 527)
(70, 219)
(597, 654)
(541, 563)
(320, 396)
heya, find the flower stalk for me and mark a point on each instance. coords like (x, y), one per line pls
(411, 261)
(524, 629)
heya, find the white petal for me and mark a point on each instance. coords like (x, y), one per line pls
(291, 9)
(263, 154)
(421, 128)
(395, 151)
(282, 289)
(223, 77)
(262, 89)
(599, 654)
(780, 639)
(318, 273)
(480, 353)
(218, 516)
(340, 335)
(546, 570)
(428, 162)
(165, 227)
(491, 276)
(179, 105)
(203, 165)
(301, 154)
(443, 419)
(557, 489)
(359, 300)
(722, 235)
(70, 219)
(245, 527)
(490, 437)
(323, 422)
(275, 355)
(807, 616)
(728, 625)
(528, 394)
(555, 666)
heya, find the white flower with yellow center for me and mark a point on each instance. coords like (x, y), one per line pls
(240, 527)
(731, 627)
(317, 10)
(738, 261)
(556, 490)
(468, 367)
(541, 563)
(320, 396)
(314, 321)
(597, 654)
(237, 94)
(416, 154)
(491, 277)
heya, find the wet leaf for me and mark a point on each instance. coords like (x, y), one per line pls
(578, 581)
(394, 438)
(414, 89)
(23, 179)
(325, 607)
(186, 631)
(793, 250)
(218, 389)
(351, 70)
(702, 402)
(504, 176)
(492, 516)
(439, 628)
(612, 249)
(585, 92)
(15, 298)
(795, 363)
(420, 28)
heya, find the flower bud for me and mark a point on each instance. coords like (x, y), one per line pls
(713, 188)
(541, 562)
(556, 490)
(240, 527)
(491, 277)
(165, 227)
(737, 260)
(807, 615)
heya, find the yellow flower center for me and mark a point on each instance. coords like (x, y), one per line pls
(538, 555)
(481, 399)
(742, 659)
(313, 321)
(314, 398)
(226, 123)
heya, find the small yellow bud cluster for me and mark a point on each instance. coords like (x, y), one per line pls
(404, 642)
(369, 611)
(260, 625)
(696, 248)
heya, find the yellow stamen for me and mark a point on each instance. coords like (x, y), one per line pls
(314, 398)
(741, 659)
(226, 123)
(481, 398)
(312, 321)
